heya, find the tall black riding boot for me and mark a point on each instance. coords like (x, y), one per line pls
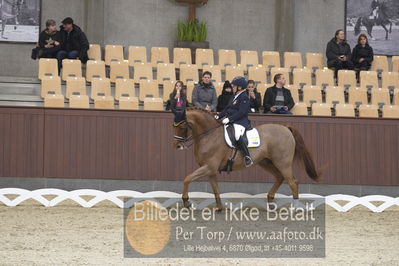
(244, 149)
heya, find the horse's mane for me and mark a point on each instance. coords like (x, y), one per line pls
(199, 109)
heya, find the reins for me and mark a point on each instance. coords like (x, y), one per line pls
(191, 138)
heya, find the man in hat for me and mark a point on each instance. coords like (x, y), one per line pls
(74, 42)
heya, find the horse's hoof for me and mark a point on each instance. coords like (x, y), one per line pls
(373, 39)
(187, 204)
(218, 209)
(271, 206)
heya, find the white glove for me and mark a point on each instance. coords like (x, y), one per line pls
(216, 117)
(225, 121)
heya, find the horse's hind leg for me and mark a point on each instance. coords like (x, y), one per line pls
(203, 171)
(216, 191)
(267, 165)
(285, 167)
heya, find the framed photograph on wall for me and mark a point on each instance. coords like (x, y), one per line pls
(20, 20)
(378, 19)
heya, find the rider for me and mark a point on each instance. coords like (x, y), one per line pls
(236, 112)
(375, 6)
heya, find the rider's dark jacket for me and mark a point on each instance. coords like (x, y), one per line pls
(237, 110)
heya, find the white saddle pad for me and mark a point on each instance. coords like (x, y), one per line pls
(252, 136)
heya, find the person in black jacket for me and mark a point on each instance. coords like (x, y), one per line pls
(178, 98)
(224, 98)
(254, 97)
(74, 42)
(362, 54)
(278, 100)
(339, 52)
(49, 42)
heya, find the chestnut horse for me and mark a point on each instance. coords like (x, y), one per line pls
(280, 145)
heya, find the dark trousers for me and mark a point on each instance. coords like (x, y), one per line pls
(343, 65)
(74, 54)
(363, 65)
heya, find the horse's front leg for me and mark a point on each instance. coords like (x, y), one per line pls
(216, 191)
(203, 171)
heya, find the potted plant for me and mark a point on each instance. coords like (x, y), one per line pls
(193, 35)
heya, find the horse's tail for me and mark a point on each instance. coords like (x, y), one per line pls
(357, 26)
(301, 152)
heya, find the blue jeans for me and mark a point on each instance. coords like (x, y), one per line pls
(64, 54)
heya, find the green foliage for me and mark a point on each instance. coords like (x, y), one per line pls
(192, 31)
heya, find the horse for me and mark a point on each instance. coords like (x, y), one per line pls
(280, 145)
(382, 20)
(9, 9)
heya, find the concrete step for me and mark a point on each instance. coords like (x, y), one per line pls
(19, 89)
(20, 98)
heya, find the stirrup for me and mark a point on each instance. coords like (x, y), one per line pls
(248, 161)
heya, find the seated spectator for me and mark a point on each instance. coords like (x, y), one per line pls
(74, 42)
(204, 93)
(178, 98)
(278, 100)
(254, 97)
(339, 52)
(49, 42)
(362, 54)
(225, 97)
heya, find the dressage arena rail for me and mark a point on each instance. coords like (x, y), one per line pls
(137, 145)
(334, 201)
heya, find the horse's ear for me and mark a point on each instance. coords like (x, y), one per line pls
(180, 115)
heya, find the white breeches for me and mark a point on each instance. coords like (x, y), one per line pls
(238, 131)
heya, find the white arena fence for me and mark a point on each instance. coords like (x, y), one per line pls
(97, 196)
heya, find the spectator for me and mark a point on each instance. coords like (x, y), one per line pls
(278, 100)
(339, 52)
(178, 98)
(225, 97)
(254, 97)
(74, 42)
(204, 94)
(362, 54)
(49, 42)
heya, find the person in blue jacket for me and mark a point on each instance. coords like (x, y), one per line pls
(236, 112)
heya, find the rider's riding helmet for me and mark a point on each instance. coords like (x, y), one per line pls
(240, 82)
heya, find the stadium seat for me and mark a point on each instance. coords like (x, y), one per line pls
(390, 111)
(380, 63)
(294, 92)
(79, 101)
(380, 96)
(314, 61)
(368, 80)
(257, 74)
(75, 85)
(302, 76)
(321, 109)
(227, 58)
(218, 87)
(204, 57)
(234, 71)
(48, 67)
(368, 110)
(249, 58)
(300, 109)
(312, 93)
(128, 103)
(189, 73)
(94, 52)
(142, 71)
(347, 78)
(390, 80)
(54, 100)
(325, 77)
(345, 110)
(124, 87)
(395, 64)
(100, 86)
(279, 70)
(216, 72)
(148, 87)
(271, 59)
(155, 104)
(292, 60)
(119, 70)
(95, 69)
(104, 102)
(335, 94)
(71, 68)
(190, 87)
(262, 87)
(396, 97)
(357, 95)
(52, 84)
(137, 55)
(159, 55)
(165, 72)
(113, 53)
(168, 87)
(181, 56)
